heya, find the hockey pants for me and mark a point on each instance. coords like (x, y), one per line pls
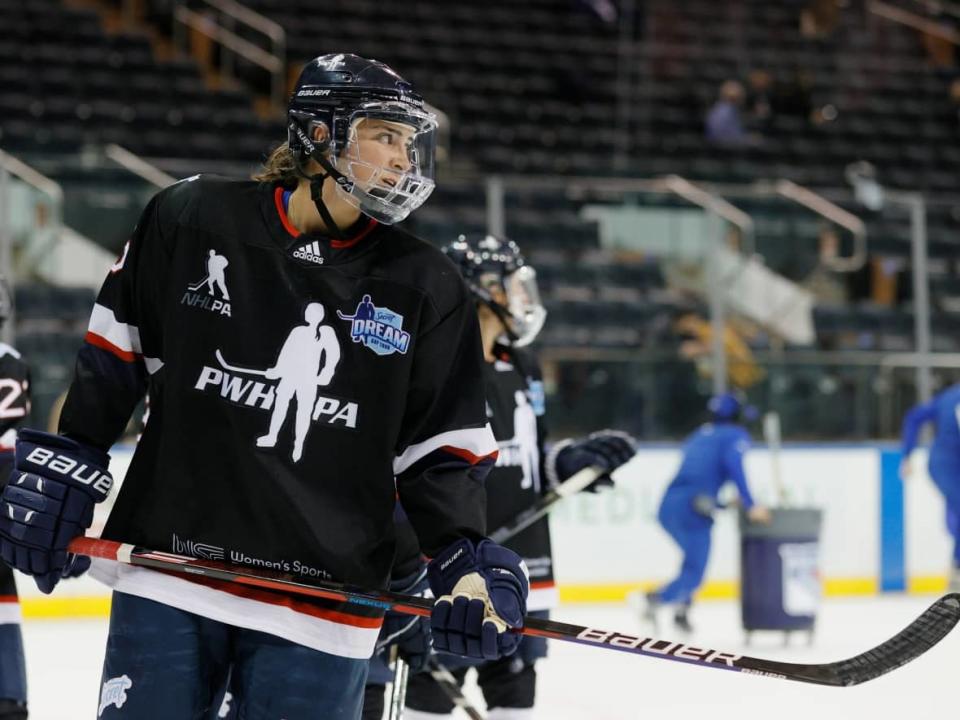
(163, 663)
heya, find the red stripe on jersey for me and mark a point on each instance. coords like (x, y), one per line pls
(542, 585)
(341, 244)
(278, 200)
(8, 599)
(281, 600)
(469, 456)
(336, 244)
(104, 344)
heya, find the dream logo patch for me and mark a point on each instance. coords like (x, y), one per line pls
(378, 328)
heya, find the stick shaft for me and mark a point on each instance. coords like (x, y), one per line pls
(925, 632)
(574, 484)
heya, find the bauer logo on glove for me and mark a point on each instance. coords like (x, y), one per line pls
(481, 593)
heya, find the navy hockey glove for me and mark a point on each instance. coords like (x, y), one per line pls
(47, 502)
(410, 633)
(605, 449)
(481, 592)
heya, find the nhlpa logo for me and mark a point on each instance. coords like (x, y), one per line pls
(378, 328)
(310, 253)
(307, 361)
(114, 692)
(214, 283)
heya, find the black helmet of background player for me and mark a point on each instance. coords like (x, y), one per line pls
(730, 408)
(499, 277)
(334, 95)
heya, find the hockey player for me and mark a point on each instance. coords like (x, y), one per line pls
(400, 412)
(511, 315)
(944, 462)
(712, 456)
(15, 404)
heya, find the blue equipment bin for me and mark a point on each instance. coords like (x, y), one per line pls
(780, 586)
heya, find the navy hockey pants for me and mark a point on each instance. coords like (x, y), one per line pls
(164, 664)
(691, 531)
(13, 673)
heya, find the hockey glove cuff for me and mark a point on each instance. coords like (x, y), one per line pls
(481, 592)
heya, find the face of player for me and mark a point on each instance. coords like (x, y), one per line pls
(384, 150)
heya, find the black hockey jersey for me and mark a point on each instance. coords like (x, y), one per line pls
(14, 400)
(14, 409)
(297, 384)
(515, 409)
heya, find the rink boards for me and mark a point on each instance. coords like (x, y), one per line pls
(879, 534)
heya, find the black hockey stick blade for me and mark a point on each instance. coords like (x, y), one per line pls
(572, 485)
(921, 635)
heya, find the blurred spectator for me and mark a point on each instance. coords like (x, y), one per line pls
(724, 122)
(824, 282)
(820, 18)
(954, 97)
(760, 99)
(606, 10)
(742, 370)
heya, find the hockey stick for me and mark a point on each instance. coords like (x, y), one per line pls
(451, 688)
(572, 485)
(398, 690)
(198, 285)
(233, 368)
(931, 627)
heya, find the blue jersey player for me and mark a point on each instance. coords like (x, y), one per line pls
(944, 464)
(712, 456)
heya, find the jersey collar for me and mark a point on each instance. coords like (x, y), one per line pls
(289, 237)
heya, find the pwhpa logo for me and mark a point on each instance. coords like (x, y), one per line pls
(378, 328)
(307, 361)
(114, 692)
(211, 292)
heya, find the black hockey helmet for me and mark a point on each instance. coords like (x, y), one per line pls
(488, 263)
(333, 96)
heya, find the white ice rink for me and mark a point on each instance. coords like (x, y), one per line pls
(580, 683)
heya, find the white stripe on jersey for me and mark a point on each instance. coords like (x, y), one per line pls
(121, 335)
(105, 324)
(9, 613)
(312, 632)
(7, 350)
(476, 441)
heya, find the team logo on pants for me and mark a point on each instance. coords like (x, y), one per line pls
(114, 692)
(378, 328)
(307, 361)
(211, 292)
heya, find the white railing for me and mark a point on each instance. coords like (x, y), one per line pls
(138, 166)
(222, 30)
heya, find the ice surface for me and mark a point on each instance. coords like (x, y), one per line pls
(582, 683)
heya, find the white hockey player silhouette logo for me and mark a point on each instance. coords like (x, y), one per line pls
(216, 265)
(307, 360)
(522, 449)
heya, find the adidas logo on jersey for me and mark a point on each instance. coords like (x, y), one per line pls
(310, 253)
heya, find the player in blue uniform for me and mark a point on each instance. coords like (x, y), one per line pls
(712, 456)
(944, 464)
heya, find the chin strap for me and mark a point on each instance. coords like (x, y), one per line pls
(316, 181)
(499, 310)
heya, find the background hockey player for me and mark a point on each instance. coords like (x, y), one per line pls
(944, 461)
(511, 315)
(403, 414)
(15, 396)
(712, 456)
